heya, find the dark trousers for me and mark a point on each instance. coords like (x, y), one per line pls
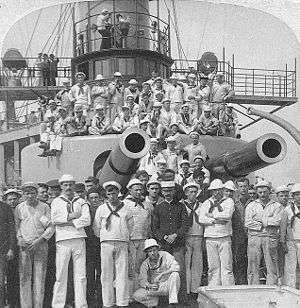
(240, 260)
(13, 283)
(93, 273)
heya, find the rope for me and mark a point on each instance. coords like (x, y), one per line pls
(33, 32)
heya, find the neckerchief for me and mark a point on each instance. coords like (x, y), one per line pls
(193, 213)
(100, 121)
(112, 212)
(185, 178)
(294, 215)
(152, 269)
(70, 203)
(151, 158)
(136, 201)
(81, 90)
(216, 204)
(185, 118)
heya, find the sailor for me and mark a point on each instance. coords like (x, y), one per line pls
(186, 121)
(161, 168)
(8, 252)
(215, 214)
(170, 154)
(207, 124)
(175, 93)
(34, 229)
(229, 122)
(198, 176)
(124, 120)
(191, 88)
(195, 148)
(221, 92)
(154, 189)
(99, 92)
(12, 197)
(170, 224)
(133, 90)
(77, 125)
(262, 219)
(79, 190)
(43, 192)
(149, 161)
(100, 124)
(64, 98)
(282, 195)
(90, 182)
(291, 237)
(70, 215)
(184, 173)
(141, 212)
(104, 25)
(159, 275)
(193, 239)
(166, 117)
(239, 234)
(199, 164)
(93, 262)
(116, 94)
(54, 189)
(113, 224)
(80, 93)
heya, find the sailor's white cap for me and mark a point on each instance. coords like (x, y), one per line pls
(230, 185)
(80, 74)
(184, 161)
(99, 77)
(191, 184)
(133, 81)
(117, 74)
(151, 242)
(207, 108)
(282, 188)
(153, 180)
(66, 178)
(216, 184)
(134, 182)
(167, 184)
(295, 188)
(113, 184)
(262, 183)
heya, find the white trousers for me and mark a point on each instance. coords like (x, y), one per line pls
(32, 267)
(290, 264)
(66, 249)
(169, 287)
(114, 266)
(219, 257)
(193, 263)
(55, 142)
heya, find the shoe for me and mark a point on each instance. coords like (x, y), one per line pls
(43, 145)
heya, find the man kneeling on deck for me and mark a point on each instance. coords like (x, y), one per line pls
(159, 276)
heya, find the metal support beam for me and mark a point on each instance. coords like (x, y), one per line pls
(17, 165)
(2, 165)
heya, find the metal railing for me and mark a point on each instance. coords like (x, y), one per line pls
(34, 75)
(249, 82)
(154, 36)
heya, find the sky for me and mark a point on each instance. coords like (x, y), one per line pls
(256, 38)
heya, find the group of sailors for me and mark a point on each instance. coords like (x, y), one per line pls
(165, 234)
(162, 108)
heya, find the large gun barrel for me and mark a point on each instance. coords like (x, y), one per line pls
(122, 162)
(259, 153)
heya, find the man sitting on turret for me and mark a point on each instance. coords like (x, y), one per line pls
(195, 148)
(133, 90)
(116, 94)
(100, 124)
(148, 162)
(186, 120)
(124, 121)
(229, 122)
(77, 125)
(166, 117)
(207, 123)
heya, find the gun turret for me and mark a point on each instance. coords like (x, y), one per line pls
(122, 161)
(259, 153)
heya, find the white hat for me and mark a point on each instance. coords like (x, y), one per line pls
(174, 76)
(134, 182)
(191, 184)
(215, 184)
(167, 184)
(151, 242)
(66, 178)
(166, 100)
(133, 81)
(125, 107)
(158, 78)
(181, 77)
(153, 140)
(161, 160)
(129, 95)
(207, 108)
(104, 11)
(80, 74)
(99, 106)
(230, 105)
(30, 184)
(145, 120)
(219, 74)
(282, 188)
(12, 191)
(194, 133)
(170, 139)
(262, 183)
(117, 74)
(99, 77)
(230, 185)
(112, 183)
(157, 105)
(198, 157)
(295, 188)
(185, 105)
(153, 180)
(184, 161)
